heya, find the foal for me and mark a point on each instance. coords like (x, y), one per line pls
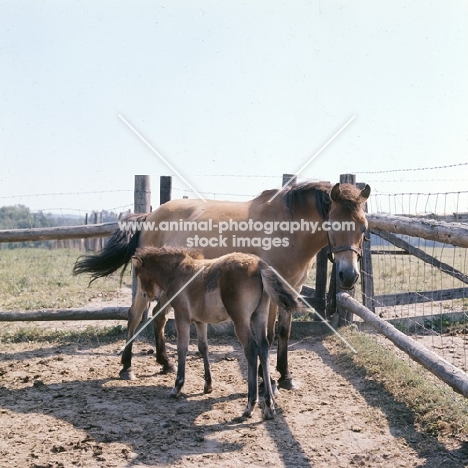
(235, 286)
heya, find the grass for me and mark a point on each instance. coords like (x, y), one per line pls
(41, 278)
(445, 324)
(436, 411)
(92, 335)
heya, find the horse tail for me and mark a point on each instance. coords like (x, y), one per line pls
(275, 289)
(117, 252)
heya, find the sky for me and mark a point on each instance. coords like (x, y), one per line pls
(232, 94)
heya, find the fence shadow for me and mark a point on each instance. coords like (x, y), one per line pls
(138, 414)
(401, 418)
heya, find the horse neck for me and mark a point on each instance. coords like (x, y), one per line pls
(313, 240)
(309, 242)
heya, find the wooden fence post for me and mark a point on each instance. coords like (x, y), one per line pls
(142, 204)
(86, 241)
(321, 274)
(287, 177)
(95, 241)
(367, 278)
(345, 316)
(165, 189)
(142, 194)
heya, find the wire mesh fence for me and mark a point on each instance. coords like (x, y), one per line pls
(425, 297)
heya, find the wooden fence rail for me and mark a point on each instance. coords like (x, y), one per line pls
(453, 233)
(50, 315)
(58, 233)
(451, 375)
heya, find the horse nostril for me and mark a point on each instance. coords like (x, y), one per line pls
(347, 278)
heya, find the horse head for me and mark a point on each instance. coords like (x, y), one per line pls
(156, 267)
(345, 230)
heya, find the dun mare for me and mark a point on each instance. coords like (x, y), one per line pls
(236, 286)
(286, 232)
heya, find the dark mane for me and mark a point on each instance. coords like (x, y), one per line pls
(296, 195)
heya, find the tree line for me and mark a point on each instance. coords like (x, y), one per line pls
(21, 217)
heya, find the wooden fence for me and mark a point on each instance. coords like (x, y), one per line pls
(318, 297)
(325, 302)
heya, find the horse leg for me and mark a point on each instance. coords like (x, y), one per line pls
(159, 323)
(260, 326)
(134, 318)
(284, 330)
(249, 344)
(202, 329)
(273, 308)
(183, 338)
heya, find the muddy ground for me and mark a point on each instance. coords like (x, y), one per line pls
(62, 406)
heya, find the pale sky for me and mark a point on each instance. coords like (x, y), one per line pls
(233, 94)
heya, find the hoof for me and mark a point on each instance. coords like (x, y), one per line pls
(269, 413)
(127, 375)
(247, 414)
(288, 384)
(207, 389)
(167, 369)
(249, 409)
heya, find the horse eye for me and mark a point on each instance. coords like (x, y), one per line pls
(144, 294)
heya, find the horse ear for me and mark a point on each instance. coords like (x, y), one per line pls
(365, 192)
(335, 192)
(137, 262)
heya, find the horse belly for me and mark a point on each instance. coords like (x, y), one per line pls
(213, 310)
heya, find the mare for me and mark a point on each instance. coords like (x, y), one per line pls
(235, 286)
(286, 232)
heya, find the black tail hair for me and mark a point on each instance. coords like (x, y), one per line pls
(117, 252)
(276, 290)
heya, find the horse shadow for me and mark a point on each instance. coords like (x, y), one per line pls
(148, 422)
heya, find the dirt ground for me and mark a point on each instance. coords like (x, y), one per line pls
(63, 406)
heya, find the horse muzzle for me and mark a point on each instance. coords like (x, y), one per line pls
(347, 276)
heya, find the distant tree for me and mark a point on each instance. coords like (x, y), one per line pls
(21, 217)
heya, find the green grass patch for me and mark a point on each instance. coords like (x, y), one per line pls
(41, 278)
(437, 411)
(91, 335)
(445, 324)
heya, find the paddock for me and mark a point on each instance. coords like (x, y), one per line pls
(63, 406)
